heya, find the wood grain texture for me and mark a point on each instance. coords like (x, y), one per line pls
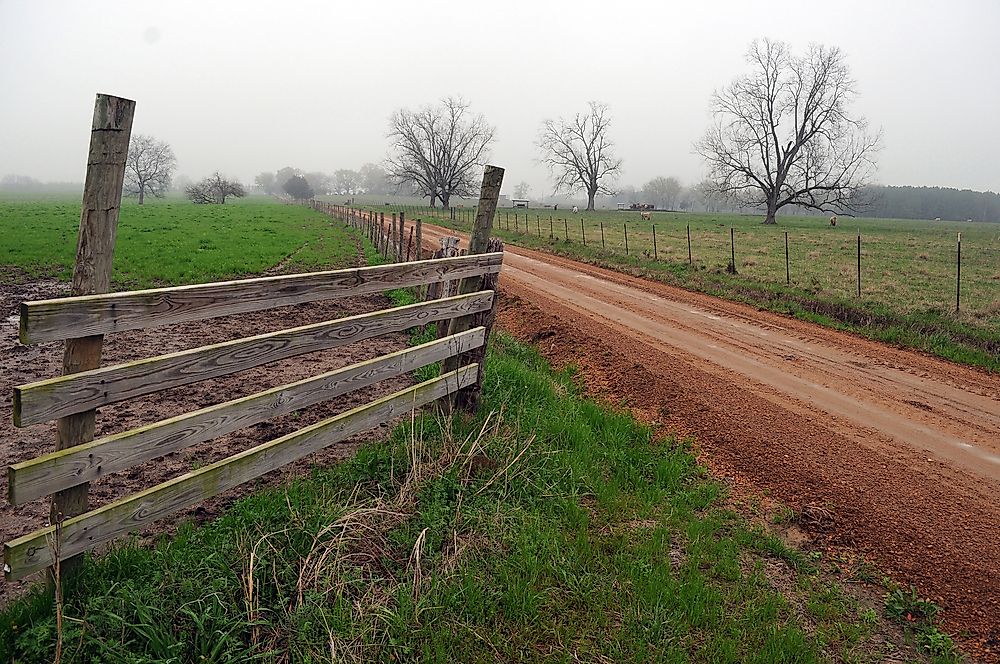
(479, 243)
(31, 552)
(110, 133)
(57, 397)
(49, 320)
(469, 398)
(59, 470)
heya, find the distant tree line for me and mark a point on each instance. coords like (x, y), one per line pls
(369, 179)
(882, 201)
(28, 185)
(931, 203)
(214, 190)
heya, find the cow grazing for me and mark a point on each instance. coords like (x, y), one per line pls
(833, 220)
(646, 215)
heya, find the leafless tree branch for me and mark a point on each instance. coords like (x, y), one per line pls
(782, 134)
(579, 153)
(439, 149)
(214, 190)
(148, 167)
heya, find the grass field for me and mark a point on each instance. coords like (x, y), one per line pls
(547, 529)
(172, 241)
(908, 268)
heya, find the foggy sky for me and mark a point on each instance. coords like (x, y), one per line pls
(246, 86)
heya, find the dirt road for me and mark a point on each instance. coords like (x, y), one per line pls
(896, 455)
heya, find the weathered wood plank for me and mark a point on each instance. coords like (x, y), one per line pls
(57, 397)
(48, 320)
(59, 470)
(31, 553)
(110, 133)
(478, 244)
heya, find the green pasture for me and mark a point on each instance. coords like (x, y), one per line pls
(905, 263)
(908, 268)
(545, 528)
(173, 241)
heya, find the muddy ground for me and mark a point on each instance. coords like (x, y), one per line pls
(23, 364)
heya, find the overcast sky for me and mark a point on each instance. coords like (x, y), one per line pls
(251, 86)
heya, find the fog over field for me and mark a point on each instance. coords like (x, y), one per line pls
(252, 86)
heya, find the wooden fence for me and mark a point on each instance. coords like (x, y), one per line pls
(83, 319)
(389, 236)
(102, 314)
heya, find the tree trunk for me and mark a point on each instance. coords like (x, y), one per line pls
(591, 194)
(772, 210)
(444, 200)
(434, 198)
(142, 195)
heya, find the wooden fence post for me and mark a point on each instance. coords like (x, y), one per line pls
(788, 274)
(859, 262)
(391, 234)
(958, 274)
(732, 248)
(479, 242)
(399, 245)
(384, 236)
(625, 231)
(420, 240)
(102, 195)
(690, 261)
(656, 256)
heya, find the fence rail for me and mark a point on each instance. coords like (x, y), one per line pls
(80, 392)
(83, 319)
(927, 265)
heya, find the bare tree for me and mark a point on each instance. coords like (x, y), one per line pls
(266, 182)
(283, 175)
(320, 182)
(346, 181)
(579, 153)
(662, 192)
(522, 190)
(711, 199)
(439, 149)
(148, 168)
(783, 134)
(298, 187)
(215, 189)
(374, 179)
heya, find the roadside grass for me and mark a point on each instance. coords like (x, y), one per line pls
(548, 528)
(174, 242)
(908, 278)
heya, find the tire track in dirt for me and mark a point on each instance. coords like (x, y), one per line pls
(902, 448)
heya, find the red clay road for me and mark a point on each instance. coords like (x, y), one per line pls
(902, 450)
